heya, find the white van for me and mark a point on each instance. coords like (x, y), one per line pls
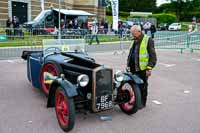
(49, 18)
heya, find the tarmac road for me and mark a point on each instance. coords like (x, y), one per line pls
(173, 103)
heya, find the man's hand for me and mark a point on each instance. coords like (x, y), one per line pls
(148, 72)
(128, 69)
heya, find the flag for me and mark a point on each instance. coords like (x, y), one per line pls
(42, 4)
(115, 12)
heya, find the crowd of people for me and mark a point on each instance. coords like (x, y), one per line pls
(13, 28)
(83, 28)
(147, 28)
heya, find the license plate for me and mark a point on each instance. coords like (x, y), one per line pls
(104, 102)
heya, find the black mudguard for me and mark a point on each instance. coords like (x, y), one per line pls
(25, 54)
(128, 76)
(70, 90)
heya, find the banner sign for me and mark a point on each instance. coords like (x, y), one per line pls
(115, 12)
(42, 4)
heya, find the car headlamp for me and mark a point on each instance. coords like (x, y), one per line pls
(83, 80)
(119, 76)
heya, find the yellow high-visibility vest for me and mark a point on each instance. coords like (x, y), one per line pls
(143, 53)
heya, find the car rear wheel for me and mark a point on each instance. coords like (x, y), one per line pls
(127, 91)
(52, 70)
(65, 110)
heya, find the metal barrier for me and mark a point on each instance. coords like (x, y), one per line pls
(16, 52)
(194, 41)
(177, 40)
(171, 40)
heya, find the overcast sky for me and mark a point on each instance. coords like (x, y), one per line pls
(159, 2)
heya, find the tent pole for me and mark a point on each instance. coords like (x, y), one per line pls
(59, 34)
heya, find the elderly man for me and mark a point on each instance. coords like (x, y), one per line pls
(142, 58)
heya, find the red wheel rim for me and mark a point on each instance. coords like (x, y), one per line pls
(50, 68)
(62, 110)
(130, 104)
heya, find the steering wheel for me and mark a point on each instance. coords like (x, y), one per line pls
(52, 49)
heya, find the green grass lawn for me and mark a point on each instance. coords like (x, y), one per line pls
(27, 41)
(37, 40)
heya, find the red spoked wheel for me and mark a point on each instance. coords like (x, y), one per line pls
(51, 69)
(65, 110)
(127, 90)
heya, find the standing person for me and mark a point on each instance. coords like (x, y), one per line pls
(62, 24)
(70, 26)
(84, 28)
(120, 29)
(8, 28)
(106, 27)
(94, 31)
(147, 27)
(141, 59)
(75, 25)
(153, 30)
(15, 23)
(190, 28)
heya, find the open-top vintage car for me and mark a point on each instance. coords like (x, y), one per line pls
(72, 80)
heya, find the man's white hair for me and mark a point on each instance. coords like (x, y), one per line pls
(136, 27)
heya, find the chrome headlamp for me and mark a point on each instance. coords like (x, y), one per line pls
(82, 80)
(119, 76)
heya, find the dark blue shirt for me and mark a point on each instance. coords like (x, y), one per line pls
(133, 54)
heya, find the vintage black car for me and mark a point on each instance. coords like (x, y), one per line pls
(72, 80)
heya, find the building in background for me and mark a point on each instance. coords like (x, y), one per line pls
(27, 10)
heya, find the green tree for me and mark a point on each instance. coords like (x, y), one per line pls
(123, 5)
(184, 9)
(137, 5)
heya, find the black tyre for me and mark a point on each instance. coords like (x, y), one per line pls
(65, 110)
(128, 90)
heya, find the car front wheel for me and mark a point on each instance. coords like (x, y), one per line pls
(65, 110)
(127, 91)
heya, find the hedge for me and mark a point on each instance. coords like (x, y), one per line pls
(164, 18)
(189, 15)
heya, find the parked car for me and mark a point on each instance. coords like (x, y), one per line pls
(175, 26)
(163, 26)
(127, 24)
(72, 80)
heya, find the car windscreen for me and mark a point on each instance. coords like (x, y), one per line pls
(41, 15)
(51, 46)
(174, 24)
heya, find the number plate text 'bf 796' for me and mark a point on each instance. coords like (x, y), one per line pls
(104, 102)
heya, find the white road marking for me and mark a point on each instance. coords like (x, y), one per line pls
(196, 59)
(167, 65)
(10, 61)
(30, 122)
(106, 118)
(156, 102)
(186, 91)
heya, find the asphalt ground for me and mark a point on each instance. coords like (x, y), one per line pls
(173, 103)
